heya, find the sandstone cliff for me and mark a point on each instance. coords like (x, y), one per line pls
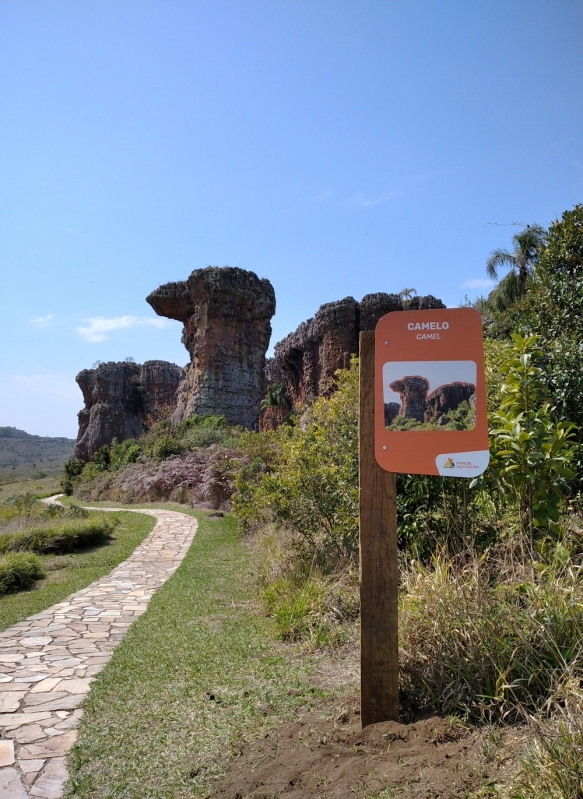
(119, 397)
(226, 313)
(307, 359)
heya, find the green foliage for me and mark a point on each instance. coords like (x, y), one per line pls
(552, 766)
(461, 418)
(309, 479)
(521, 261)
(72, 469)
(68, 535)
(22, 503)
(162, 441)
(165, 447)
(18, 571)
(531, 451)
(124, 453)
(554, 311)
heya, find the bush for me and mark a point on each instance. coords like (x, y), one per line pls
(531, 450)
(308, 606)
(308, 479)
(66, 536)
(72, 469)
(18, 571)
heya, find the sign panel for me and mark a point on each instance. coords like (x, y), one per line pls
(430, 393)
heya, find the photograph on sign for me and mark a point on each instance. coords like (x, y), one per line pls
(430, 394)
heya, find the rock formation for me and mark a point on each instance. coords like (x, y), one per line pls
(413, 391)
(307, 359)
(119, 397)
(392, 409)
(226, 313)
(448, 397)
(415, 404)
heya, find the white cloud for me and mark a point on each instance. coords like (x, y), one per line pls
(365, 202)
(43, 321)
(478, 283)
(99, 326)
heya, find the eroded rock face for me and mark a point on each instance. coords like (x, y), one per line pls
(119, 398)
(307, 359)
(226, 313)
(447, 398)
(392, 410)
(413, 391)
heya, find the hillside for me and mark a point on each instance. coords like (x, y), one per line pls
(24, 455)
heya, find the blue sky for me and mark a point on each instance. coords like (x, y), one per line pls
(336, 148)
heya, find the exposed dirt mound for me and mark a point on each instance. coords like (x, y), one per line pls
(332, 758)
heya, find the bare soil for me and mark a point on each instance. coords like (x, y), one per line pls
(326, 757)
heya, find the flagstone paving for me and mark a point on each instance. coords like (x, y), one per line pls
(48, 661)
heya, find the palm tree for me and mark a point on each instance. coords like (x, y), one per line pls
(405, 296)
(278, 400)
(527, 246)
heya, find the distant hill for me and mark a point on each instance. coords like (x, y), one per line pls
(25, 455)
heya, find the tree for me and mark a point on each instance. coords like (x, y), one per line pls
(553, 310)
(405, 296)
(527, 246)
(531, 450)
(276, 405)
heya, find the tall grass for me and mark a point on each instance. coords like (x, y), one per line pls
(18, 571)
(58, 537)
(481, 636)
(552, 766)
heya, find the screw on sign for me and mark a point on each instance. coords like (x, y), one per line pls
(422, 411)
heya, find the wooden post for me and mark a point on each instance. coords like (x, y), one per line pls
(379, 679)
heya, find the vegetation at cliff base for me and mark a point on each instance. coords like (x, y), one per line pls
(192, 462)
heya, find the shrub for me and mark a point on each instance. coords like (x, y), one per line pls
(166, 446)
(18, 571)
(308, 479)
(531, 450)
(307, 605)
(72, 469)
(23, 504)
(66, 536)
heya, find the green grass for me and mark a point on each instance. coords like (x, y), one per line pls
(19, 570)
(72, 572)
(45, 486)
(59, 536)
(200, 672)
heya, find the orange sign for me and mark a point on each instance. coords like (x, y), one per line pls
(430, 393)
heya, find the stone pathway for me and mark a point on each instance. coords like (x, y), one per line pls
(48, 661)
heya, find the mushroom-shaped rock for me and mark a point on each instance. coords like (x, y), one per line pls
(413, 391)
(226, 313)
